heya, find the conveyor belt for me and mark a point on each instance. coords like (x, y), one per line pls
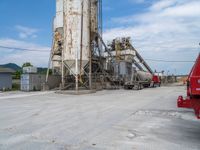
(142, 61)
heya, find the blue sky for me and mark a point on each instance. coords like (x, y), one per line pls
(160, 29)
(33, 14)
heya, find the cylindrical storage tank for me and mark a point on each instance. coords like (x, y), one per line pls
(145, 76)
(58, 28)
(56, 61)
(76, 34)
(58, 20)
(94, 18)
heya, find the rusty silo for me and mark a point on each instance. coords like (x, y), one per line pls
(75, 32)
(94, 18)
(58, 37)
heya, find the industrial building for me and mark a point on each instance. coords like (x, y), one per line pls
(31, 80)
(6, 79)
(83, 60)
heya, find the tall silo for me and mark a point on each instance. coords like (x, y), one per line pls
(75, 31)
(58, 20)
(76, 34)
(58, 37)
(76, 49)
(94, 18)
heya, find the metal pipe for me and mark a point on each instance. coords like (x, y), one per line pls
(90, 53)
(81, 45)
(78, 72)
(50, 61)
(62, 61)
(49, 65)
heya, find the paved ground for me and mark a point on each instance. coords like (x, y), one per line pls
(107, 120)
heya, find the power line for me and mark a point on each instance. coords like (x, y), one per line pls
(170, 61)
(24, 49)
(38, 50)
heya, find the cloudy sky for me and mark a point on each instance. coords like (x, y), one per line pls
(160, 30)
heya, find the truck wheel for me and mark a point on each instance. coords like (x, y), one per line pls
(125, 87)
(153, 85)
(139, 87)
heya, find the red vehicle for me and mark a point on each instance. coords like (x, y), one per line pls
(193, 90)
(156, 80)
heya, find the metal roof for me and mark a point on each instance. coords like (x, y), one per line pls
(6, 70)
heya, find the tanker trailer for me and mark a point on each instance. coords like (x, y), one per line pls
(192, 100)
(139, 80)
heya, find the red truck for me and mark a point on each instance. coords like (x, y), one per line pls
(156, 80)
(193, 90)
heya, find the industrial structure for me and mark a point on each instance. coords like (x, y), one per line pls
(6, 79)
(76, 42)
(82, 59)
(31, 80)
(193, 90)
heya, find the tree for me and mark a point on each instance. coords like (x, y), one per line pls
(27, 64)
(17, 74)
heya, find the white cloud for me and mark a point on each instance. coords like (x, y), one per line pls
(190, 9)
(26, 32)
(162, 5)
(39, 58)
(169, 29)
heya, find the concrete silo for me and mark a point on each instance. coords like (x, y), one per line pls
(75, 32)
(76, 38)
(58, 37)
(94, 18)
